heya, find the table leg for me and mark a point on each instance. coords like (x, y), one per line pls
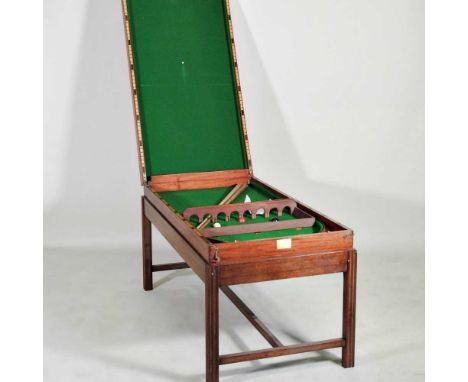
(349, 310)
(147, 249)
(212, 323)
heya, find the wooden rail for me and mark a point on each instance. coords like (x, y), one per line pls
(240, 209)
(169, 267)
(251, 316)
(280, 351)
(197, 180)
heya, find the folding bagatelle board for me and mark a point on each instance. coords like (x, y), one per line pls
(196, 172)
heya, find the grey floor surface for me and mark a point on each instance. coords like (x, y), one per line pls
(99, 325)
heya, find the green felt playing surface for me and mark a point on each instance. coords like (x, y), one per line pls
(186, 86)
(180, 200)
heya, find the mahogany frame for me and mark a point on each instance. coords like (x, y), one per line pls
(220, 265)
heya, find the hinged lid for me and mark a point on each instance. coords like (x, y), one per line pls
(187, 99)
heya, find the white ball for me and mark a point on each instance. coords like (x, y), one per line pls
(216, 225)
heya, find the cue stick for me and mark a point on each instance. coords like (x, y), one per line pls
(234, 193)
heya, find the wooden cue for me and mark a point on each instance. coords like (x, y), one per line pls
(234, 193)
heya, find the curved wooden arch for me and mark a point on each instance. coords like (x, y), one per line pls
(241, 209)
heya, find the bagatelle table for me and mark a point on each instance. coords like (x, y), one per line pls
(228, 226)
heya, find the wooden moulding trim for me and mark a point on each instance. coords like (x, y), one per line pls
(257, 227)
(281, 351)
(283, 268)
(238, 85)
(183, 248)
(199, 180)
(247, 251)
(136, 107)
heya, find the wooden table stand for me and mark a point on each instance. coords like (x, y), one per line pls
(218, 277)
(194, 160)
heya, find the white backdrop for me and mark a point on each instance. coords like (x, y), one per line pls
(334, 99)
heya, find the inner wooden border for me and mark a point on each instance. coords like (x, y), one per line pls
(199, 180)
